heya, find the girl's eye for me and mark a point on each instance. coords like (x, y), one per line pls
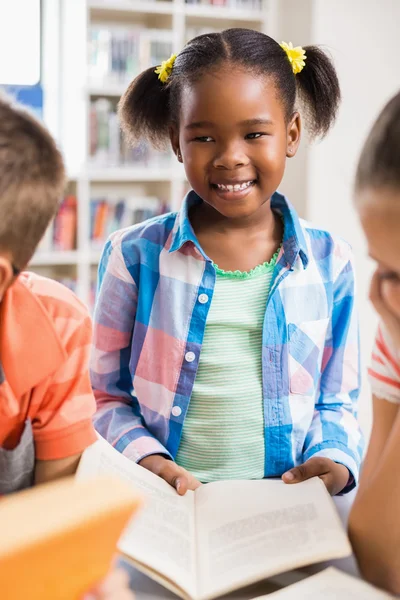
(390, 276)
(203, 138)
(255, 136)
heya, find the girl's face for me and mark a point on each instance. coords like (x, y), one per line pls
(234, 139)
(379, 210)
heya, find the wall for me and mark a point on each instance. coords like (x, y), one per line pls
(363, 39)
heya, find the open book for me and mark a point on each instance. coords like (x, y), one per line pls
(330, 584)
(58, 539)
(225, 535)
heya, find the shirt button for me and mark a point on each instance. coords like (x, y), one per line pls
(190, 356)
(203, 298)
(176, 411)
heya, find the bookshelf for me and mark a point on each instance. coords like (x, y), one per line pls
(83, 91)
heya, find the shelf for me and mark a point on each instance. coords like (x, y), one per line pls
(168, 8)
(67, 257)
(126, 175)
(112, 90)
(223, 13)
(126, 6)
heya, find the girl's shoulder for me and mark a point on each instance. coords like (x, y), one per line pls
(156, 230)
(325, 246)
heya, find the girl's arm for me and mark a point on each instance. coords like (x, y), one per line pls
(374, 524)
(334, 432)
(118, 418)
(384, 415)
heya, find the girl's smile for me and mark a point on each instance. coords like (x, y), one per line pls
(234, 137)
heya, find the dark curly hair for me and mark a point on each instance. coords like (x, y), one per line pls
(148, 107)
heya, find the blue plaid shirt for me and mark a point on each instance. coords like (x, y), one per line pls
(155, 290)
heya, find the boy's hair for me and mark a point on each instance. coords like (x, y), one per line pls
(32, 179)
(379, 164)
(148, 107)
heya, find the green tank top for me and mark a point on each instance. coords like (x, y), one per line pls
(223, 433)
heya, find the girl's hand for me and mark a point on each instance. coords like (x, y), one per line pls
(334, 475)
(179, 478)
(385, 296)
(114, 587)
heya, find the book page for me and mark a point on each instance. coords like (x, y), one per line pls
(162, 535)
(331, 584)
(250, 530)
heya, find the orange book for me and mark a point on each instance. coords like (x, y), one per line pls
(58, 540)
(101, 221)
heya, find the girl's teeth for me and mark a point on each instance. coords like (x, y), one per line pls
(237, 187)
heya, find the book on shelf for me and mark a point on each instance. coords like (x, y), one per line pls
(330, 584)
(118, 53)
(225, 535)
(112, 213)
(243, 4)
(61, 233)
(58, 539)
(110, 148)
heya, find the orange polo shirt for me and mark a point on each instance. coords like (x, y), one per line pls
(45, 338)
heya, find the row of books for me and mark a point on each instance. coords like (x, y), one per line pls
(106, 215)
(61, 234)
(117, 53)
(247, 4)
(109, 214)
(109, 148)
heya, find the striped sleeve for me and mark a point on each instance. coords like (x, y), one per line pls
(63, 425)
(384, 372)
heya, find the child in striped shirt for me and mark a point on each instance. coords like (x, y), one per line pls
(375, 521)
(225, 337)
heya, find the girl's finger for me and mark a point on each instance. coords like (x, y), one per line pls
(175, 476)
(328, 480)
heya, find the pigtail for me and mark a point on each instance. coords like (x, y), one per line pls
(319, 91)
(144, 110)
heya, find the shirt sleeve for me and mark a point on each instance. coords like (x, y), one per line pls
(62, 425)
(118, 418)
(384, 372)
(334, 432)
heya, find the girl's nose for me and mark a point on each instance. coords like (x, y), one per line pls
(230, 157)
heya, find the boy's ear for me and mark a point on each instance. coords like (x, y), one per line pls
(174, 138)
(6, 275)
(293, 135)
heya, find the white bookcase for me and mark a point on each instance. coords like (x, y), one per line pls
(69, 93)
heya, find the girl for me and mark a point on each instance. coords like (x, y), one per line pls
(226, 341)
(374, 521)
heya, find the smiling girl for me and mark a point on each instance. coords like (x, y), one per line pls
(226, 342)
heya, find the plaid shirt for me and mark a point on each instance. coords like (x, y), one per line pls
(155, 290)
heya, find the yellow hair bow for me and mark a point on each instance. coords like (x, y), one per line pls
(165, 69)
(297, 56)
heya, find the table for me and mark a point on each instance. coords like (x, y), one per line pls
(147, 589)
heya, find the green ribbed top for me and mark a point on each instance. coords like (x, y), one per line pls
(223, 433)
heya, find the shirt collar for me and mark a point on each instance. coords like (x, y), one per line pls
(293, 245)
(30, 348)
(294, 241)
(183, 230)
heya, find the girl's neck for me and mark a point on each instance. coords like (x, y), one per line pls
(235, 244)
(204, 218)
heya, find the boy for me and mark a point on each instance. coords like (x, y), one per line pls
(46, 401)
